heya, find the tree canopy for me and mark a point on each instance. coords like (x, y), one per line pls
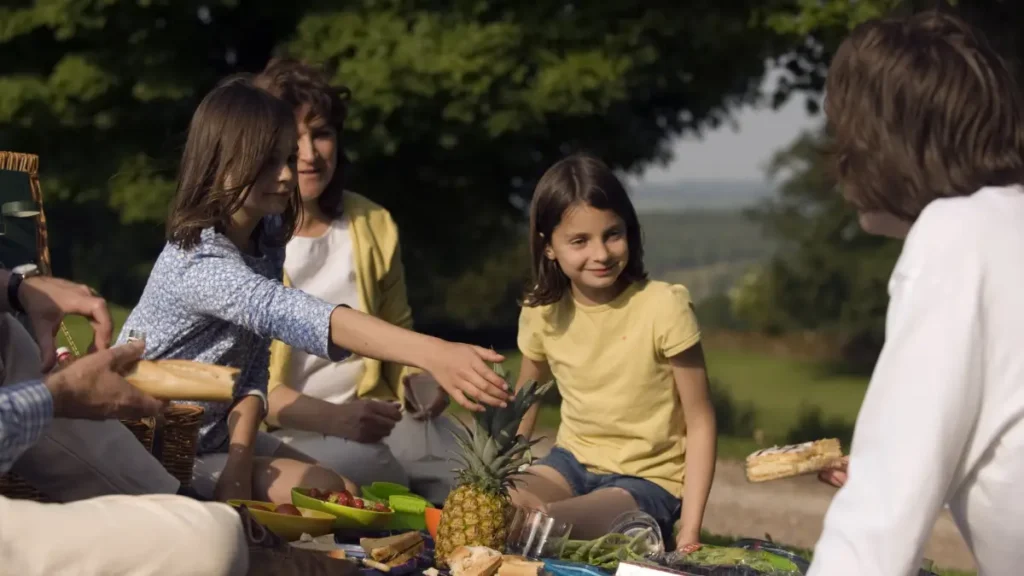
(458, 107)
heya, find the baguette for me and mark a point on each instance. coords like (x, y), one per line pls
(793, 460)
(393, 550)
(184, 380)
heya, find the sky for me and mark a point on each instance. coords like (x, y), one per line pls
(728, 154)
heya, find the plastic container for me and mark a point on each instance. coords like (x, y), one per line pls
(733, 561)
(408, 507)
(756, 544)
(382, 491)
(432, 517)
(632, 523)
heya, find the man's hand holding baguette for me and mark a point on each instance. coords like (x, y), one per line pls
(94, 387)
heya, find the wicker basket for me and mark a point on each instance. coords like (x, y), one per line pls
(172, 442)
(143, 431)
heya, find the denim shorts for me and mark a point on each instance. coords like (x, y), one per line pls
(651, 498)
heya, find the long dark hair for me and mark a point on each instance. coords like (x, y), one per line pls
(233, 135)
(578, 179)
(300, 84)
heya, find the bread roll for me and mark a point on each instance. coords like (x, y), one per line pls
(184, 380)
(474, 561)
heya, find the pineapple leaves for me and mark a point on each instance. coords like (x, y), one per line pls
(491, 450)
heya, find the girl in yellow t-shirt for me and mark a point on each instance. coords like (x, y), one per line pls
(637, 426)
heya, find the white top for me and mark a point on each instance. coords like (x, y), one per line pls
(942, 418)
(324, 267)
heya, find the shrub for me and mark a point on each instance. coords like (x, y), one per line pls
(733, 418)
(812, 425)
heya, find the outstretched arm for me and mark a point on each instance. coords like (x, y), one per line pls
(217, 282)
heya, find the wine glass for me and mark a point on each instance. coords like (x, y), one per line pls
(422, 392)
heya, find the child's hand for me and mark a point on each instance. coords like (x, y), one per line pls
(836, 475)
(686, 543)
(462, 371)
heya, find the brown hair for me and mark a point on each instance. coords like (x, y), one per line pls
(921, 108)
(578, 179)
(299, 85)
(233, 135)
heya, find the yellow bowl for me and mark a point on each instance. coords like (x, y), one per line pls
(312, 522)
(345, 516)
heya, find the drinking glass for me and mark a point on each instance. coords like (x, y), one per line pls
(421, 394)
(534, 534)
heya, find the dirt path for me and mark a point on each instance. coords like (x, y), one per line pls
(792, 511)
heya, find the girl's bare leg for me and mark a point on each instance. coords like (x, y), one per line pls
(538, 487)
(591, 515)
(274, 478)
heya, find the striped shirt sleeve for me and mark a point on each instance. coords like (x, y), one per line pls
(25, 411)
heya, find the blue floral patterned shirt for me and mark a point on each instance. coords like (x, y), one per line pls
(214, 304)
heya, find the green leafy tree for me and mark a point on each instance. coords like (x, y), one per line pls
(459, 106)
(103, 90)
(828, 274)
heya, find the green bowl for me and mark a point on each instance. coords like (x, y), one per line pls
(345, 516)
(382, 491)
(291, 528)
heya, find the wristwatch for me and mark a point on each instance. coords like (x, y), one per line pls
(14, 283)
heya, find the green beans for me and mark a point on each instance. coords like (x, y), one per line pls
(605, 552)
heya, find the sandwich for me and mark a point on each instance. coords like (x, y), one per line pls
(474, 561)
(386, 553)
(793, 460)
(184, 380)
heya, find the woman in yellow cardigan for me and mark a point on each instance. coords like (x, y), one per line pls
(346, 251)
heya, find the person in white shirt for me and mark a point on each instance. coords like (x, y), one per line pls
(928, 124)
(347, 415)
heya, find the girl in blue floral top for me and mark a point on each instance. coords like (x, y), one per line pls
(215, 295)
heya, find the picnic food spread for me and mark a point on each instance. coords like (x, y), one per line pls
(793, 460)
(384, 530)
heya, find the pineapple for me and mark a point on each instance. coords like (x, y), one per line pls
(477, 511)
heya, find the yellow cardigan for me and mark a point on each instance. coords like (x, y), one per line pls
(382, 293)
